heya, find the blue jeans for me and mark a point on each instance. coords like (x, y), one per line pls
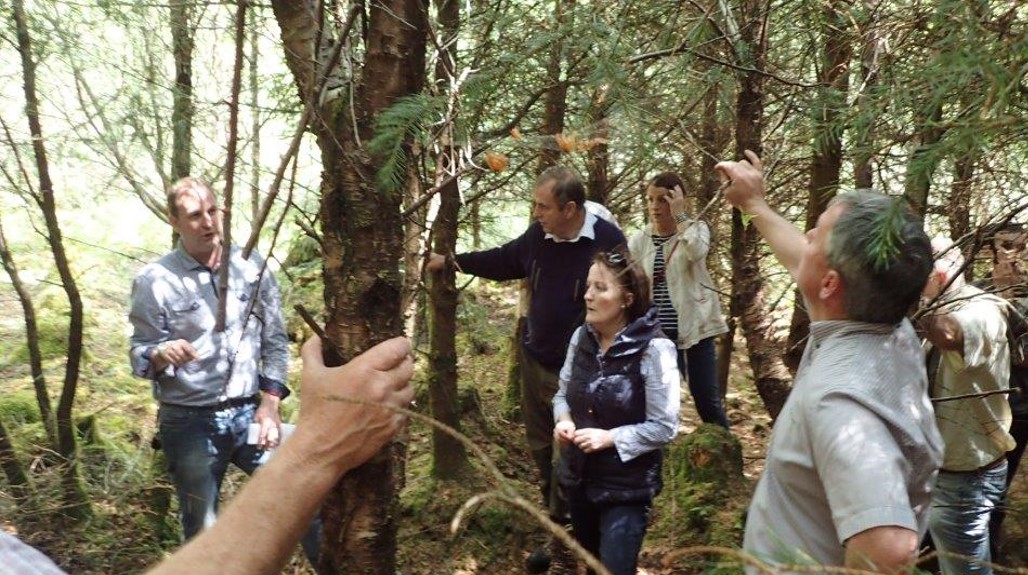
(699, 364)
(959, 518)
(198, 444)
(612, 532)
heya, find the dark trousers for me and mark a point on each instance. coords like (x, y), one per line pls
(613, 532)
(199, 443)
(699, 364)
(538, 385)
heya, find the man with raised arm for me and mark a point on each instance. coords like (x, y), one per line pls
(855, 450)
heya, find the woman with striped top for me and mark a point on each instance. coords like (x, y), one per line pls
(672, 249)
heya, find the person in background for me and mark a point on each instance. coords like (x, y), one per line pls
(672, 249)
(855, 450)
(969, 329)
(616, 408)
(1010, 281)
(259, 528)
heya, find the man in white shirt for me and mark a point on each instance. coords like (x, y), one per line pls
(969, 329)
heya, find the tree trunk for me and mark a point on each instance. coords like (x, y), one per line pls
(958, 205)
(449, 458)
(748, 297)
(76, 504)
(826, 160)
(31, 339)
(181, 18)
(924, 160)
(863, 139)
(597, 161)
(255, 118)
(19, 482)
(555, 102)
(362, 243)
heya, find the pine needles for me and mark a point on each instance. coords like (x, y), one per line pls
(883, 245)
(404, 122)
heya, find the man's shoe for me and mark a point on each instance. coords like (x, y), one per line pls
(562, 560)
(538, 562)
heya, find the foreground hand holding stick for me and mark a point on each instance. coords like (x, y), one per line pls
(339, 429)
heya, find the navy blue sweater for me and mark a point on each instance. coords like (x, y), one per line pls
(557, 272)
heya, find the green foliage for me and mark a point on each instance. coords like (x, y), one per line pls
(407, 120)
(18, 408)
(883, 244)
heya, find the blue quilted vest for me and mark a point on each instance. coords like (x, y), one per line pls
(604, 392)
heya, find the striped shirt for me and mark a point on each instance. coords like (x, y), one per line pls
(661, 296)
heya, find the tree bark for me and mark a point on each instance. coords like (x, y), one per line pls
(449, 457)
(555, 102)
(76, 504)
(748, 295)
(826, 157)
(181, 13)
(31, 339)
(863, 140)
(19, 482)
(925, 159)
(597, 160)
(714, 138)
(958, 205)
(362, 236)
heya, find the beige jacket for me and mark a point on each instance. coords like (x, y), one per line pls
(689, 283)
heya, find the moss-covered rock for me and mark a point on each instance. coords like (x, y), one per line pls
(704, 499)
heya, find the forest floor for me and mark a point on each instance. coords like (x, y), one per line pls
(492, 538)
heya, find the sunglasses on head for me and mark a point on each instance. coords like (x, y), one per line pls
(615, 259)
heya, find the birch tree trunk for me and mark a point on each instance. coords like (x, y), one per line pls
(362, 233)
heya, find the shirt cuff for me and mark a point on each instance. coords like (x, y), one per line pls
(273, 387)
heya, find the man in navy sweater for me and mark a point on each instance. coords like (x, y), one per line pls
(554, 253)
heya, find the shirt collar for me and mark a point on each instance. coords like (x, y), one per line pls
(187, 261)
(821, 330)
(588, 230)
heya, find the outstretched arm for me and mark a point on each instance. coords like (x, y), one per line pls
(263, 523)
(746, 192)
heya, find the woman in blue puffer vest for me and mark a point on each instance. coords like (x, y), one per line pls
(616, 408)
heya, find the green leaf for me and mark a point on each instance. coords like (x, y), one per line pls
(406, 120)
(883, 244)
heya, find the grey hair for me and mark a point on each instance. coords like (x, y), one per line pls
(567, 185)
(879, 288)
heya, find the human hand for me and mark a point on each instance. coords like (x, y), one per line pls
(746, 188)
(564, 432)
(268, 418)
(176, 352)
(676, 201)
(933, 286)
(343, 434)
(591, 439)
(435, 262)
